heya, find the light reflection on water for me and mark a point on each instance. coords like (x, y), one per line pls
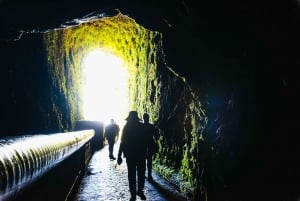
(7, 140)
(23, 159)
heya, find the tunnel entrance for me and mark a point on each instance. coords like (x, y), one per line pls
(103, 67)
(105, 87)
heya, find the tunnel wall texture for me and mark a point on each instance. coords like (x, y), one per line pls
(119, 35)
(30, 103)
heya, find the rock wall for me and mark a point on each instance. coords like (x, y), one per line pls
(30, 103)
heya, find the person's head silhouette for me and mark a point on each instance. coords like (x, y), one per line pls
(133, 116)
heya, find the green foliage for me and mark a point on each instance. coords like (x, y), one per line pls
(164, 171)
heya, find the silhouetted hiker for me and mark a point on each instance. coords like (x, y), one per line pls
(111, 134)
(134, 148)
(152, 131)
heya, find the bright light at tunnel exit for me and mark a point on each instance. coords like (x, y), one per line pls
(105, 92)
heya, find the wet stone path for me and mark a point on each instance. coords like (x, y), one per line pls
(107, 181)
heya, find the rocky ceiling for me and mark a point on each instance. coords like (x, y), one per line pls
(227, 33)
(226, 39)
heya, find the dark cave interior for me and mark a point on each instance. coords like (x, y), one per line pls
(250, 47)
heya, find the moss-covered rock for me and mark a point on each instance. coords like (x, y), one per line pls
(119, 35)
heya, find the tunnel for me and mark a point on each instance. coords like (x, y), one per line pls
(217, 79)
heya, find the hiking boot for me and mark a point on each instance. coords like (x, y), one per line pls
(141, 195)
(132, 199)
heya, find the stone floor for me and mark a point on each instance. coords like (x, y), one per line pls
(107, 181)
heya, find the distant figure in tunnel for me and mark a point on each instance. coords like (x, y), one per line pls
(111, 134)
(152, 131)
(134, 147)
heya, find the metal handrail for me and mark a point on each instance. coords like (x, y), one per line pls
(23, 160)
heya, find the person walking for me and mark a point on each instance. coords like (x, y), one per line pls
(152, 131)
(134, 147)
(111, 134)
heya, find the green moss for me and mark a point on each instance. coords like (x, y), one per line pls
(119, 35)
